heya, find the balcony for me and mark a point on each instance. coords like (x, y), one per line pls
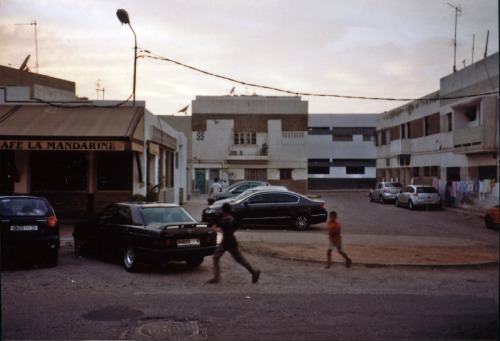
(468, 140)
(399, 147)
(248, 154)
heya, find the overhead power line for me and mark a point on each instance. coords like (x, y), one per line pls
(151, 55)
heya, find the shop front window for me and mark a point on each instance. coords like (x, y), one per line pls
(58, 171)
(114, 171)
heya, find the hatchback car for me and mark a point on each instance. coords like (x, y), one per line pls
(239, 187)
(418, 196)
(272, 208)
(385, 191)
(30, 230)
(145, 233)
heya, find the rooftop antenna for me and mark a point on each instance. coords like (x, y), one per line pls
(36, 41)
(473, 38)
(486, 48)
(99, 89)
(458, 10)
(24, 65)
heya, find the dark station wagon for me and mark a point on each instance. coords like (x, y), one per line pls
(141, 233)
(30, 230)
(272, 208)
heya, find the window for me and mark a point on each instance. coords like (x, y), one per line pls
(387, 162)
(426, 126)
(318, 166)
(258, 174)
(200, 136)
(286, 174)
(367, 138)
(416, 171)
(408, 129)
(449, 122)
(283, 198)
(404, 160)
(355, 170)
(114, 170)
(245, 138)
(434, 171)
(427, 171)
(59, 171)
(453, 174)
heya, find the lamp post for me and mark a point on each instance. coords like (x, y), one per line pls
(124, 19)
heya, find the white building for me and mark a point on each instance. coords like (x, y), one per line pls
(83, 155)
(249, 138)
(341, 151)
(448, 138)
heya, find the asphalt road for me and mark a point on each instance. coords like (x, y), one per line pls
(89, 298)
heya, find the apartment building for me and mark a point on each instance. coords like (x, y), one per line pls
(249, 138)
(341, 151)
(448, 138)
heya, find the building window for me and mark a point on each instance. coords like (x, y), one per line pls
(368, 138)
(449, 122)
(257, 174)
(200, 136)
(403, 135)
(245, 138)
(59, 171)
(408, 129)
(341, 137)
(114, 171)
(404, 160)
(434, 171)
(427, 171)
(387, 162)
(286, 174)
(318, 166)
(453, 174)
(416, 171)
(355, 170)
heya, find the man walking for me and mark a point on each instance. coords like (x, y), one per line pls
(228, 225)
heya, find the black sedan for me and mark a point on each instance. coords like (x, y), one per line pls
(146, 233)
(30, 230)
(273, 208)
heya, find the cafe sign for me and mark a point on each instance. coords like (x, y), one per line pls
(62, 145)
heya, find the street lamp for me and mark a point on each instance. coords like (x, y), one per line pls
(124, 19)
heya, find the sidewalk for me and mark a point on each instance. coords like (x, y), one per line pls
(368, 250)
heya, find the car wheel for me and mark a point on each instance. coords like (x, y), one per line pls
(301, 222)
(397, 203)
(488, 222)
(410, 205)
(52, 259)
(194, 262)
(371, 198)
(79, 247)
(130, 260)
(381, 199)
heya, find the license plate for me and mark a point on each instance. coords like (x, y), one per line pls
(24, 228)
(189, 242)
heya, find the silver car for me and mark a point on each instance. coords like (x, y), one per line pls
(415, 196)
(385, 191)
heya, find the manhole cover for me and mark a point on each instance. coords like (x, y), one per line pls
(166, 330)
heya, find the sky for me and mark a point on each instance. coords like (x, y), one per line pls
(363, 48)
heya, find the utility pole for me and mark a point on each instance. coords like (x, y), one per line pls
(457, 11)
(36, 42)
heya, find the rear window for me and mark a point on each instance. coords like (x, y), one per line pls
(426, 190)
(166, 215)
(34, 207)
(394, 184)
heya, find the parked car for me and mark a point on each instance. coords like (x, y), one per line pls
(239, 187)
(250, 190)
(418, 196)
(385, 191)
(145, 233)
(491, 219)
(272, 208)
(30, 230)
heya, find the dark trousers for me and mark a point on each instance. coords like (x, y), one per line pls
(235, 252)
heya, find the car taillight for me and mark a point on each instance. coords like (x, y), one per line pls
(386, 190)
(52, 221)
(416, 193)
(324, 206)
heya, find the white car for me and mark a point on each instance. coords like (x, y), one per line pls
(250, 190)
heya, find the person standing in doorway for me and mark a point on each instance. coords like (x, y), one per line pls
(335, 238)
(229, 225)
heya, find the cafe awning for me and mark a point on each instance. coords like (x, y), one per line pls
(45, 127)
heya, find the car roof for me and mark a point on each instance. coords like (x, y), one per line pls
(146, 204)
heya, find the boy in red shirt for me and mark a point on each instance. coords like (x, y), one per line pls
(335, 239)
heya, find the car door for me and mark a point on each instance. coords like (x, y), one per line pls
(403, 196)
(284, 208)
(256, 209)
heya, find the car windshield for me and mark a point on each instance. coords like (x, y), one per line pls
(34, 207)
(166, 215)
(426, 190)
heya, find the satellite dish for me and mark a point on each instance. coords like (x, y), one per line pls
(184, 110)
(24, 66)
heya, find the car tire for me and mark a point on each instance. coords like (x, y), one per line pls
(397, 203)
(130, 259)
(79, 247)
(411, 206)
(381, 199)
(194, 262)
(301, 222)
(52, 259)
(371, 198)
(488, 222)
